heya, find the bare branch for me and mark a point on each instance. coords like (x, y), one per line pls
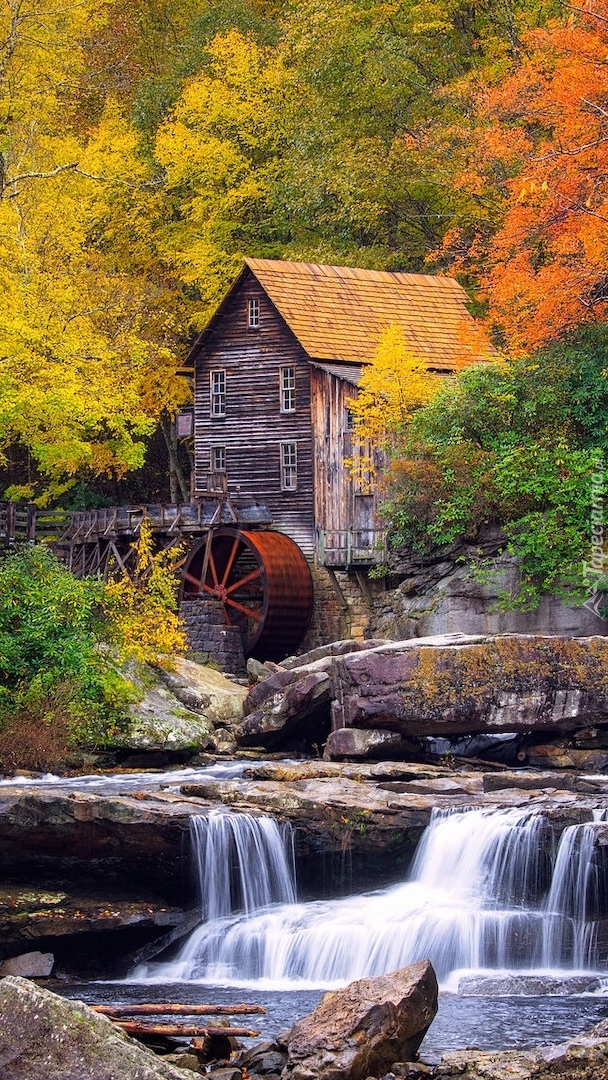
(571, 204)
(572, 153)
(72, 166)
(594, 105)
(581, 11)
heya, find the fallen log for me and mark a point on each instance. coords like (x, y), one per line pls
(140, 1028)
(170, 1008)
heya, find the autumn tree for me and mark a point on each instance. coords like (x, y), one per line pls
(537, 238)
(88, 310)
(513, 445)
(220, 149)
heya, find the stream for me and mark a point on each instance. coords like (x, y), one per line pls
(510, 915)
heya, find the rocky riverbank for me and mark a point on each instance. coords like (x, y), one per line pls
(78, 858)
(370, 1029)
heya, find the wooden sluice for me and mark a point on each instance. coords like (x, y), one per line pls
(92, 542)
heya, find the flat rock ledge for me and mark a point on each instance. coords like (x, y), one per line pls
(583, 1058)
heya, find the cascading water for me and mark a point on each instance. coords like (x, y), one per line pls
(575, 899)
(488, 890)
(244, 863)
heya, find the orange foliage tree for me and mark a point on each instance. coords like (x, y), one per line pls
(535, 169)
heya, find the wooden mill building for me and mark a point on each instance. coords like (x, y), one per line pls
(273, 373)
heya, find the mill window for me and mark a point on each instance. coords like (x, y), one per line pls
(253, 313)
(288, 389)
(218, 393)
(289, 466)
(218, 458)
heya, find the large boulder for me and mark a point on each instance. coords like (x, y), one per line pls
(460, 684)
(292, 707)
(288, 707)
(45, 1037)
(181, 711)
(362, 1029)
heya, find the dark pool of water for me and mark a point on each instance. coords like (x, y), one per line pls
(486, 1023)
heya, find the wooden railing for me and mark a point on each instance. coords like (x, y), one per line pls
(24, 523)
(351, 547)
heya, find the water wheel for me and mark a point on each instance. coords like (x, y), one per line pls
(263, 582)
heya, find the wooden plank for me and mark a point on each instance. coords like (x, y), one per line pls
(180, 1031)
(170, 1008)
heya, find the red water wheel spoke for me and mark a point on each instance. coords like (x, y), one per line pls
(214, 574)
(257, 573)
(262, 581)
(193, 580)
(231, 559)
(248, 612)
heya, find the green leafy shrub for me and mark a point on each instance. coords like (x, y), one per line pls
(513, 444)
(58, 680)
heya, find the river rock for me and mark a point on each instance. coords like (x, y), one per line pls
(293, 703)
(359, 1030)
(459, 685)
(288, 706)
(355, 744)
(178, 711)
(31, 965)
(205, 690)
(550, 756)
(45, 1037)
(583, 1058)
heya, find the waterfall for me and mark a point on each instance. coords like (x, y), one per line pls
(575, 898)
(244, 863)
(488, 890)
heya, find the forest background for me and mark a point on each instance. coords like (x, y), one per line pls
(147, 147)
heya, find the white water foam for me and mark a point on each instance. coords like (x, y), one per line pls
(487, 892)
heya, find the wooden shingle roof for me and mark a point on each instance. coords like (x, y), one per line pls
(338, 313)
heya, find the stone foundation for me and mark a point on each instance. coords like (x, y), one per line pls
(210, 640)
(342, 608)
(343, 605)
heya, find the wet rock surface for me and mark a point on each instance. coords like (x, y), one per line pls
(582, 1058)
(45, 1037)
(443, 686)
(106, 844)
(358, 1031)
(508, 684)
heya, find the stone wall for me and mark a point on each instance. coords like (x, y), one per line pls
(343, 606)
(209, 639)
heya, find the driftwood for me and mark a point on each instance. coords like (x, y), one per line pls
(169, 1008)
(140, 1028)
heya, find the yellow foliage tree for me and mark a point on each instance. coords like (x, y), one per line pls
(142, 606)
(89, 314)
(221, 149)
(392, 387)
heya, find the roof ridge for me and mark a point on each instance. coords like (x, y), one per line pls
(346, 273)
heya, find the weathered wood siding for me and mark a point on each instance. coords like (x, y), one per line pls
(345, 508)
(254, 427)
(346, 498)
(333, 486)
